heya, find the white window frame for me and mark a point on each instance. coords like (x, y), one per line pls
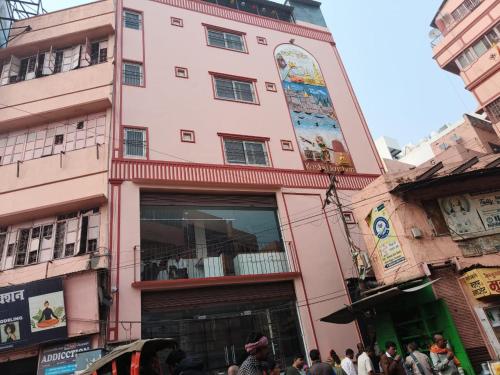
(234, 82)
(226, 39)
(245, 143)
(144, 145)
(141, 74)
(125, 19)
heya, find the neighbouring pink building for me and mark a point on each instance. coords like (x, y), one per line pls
(56, 91)
(434, 224)
(226, 114)
(467, 33)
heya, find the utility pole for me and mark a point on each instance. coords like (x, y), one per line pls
(332, 191)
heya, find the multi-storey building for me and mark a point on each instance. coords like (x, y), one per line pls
(55, 116)
(466, 36)
(434, 237)
(228, 116)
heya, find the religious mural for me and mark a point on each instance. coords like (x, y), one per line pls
(321, 143)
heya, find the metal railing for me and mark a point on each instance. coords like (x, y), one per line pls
(231, 258)
(447, 21)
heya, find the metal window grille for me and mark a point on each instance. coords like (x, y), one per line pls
(225, 40)
(234, 90)
(132, 74)
(132, 20)
(135, 142)
(245, 152)
(493, 111)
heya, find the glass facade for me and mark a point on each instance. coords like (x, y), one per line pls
(180, 240)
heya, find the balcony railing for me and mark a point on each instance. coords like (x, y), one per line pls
(229, 259)
(447, 21)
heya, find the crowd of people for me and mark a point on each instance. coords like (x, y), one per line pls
(258, 361)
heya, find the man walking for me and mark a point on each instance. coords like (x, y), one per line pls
(443, 358)
(418, 362)
(318, 367)
(297, 365)
(347, 363)
(391, 361)
(365, 365)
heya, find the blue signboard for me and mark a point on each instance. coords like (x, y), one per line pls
(61, 359)
(32, 313)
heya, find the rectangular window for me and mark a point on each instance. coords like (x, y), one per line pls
(245, 152)
(132, 20)
(135, 143)
(58, 61)
(132, 74)
(223, 39)
(98, 52)
(481, 47)
(435, 218)
(234, 90)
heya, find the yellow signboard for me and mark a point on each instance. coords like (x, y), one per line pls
(483, 282)
(387, 243)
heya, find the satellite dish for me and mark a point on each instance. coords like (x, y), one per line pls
(434, 33)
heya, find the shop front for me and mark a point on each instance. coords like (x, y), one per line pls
(482, 287)
(404, 313)
(212, 324)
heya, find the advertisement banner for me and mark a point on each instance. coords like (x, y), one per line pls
(61, 359)
(317, 128)
(483, 282)
(32, 313)
(471, 216)
(387, 244)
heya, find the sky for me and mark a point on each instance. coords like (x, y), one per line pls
(385, 47)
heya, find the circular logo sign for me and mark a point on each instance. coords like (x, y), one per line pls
(381, 227)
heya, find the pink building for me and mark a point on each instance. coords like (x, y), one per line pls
(435, 224)
(55, 117)
(226, 115)
(466, 43)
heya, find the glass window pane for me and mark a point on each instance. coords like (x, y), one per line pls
(224, 88)
(256, 153)
(463, 61)
(132, 20)
(132, 74)
(493, 37)
(244, 91)
(216, 38)
(134, 142)
(481, 47)
(234, 41)
(235, 152)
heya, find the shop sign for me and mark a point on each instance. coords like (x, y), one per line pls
(387, 243)
(32, 313)
(61, 359)
(483, 282)
(470, 216)
(85, 359)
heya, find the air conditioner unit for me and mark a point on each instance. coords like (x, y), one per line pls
(456, 138)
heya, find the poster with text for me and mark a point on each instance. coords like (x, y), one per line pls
(61, 359)
(387, 243)
(469, 216)
(32, 313)
(319, 136)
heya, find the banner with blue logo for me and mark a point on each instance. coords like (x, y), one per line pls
(386, 241)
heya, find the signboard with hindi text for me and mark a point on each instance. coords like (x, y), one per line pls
(483, 282)
(386, 242)
(32, 313)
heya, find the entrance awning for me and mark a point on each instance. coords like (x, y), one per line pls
(351, 312)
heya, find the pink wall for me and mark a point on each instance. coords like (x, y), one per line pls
(195, 107)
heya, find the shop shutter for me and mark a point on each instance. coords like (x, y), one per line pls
(448, 289)
(208, 200)
(205, 297)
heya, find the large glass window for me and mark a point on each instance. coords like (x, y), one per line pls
(222, 39)
(242, 91)
(180, 240)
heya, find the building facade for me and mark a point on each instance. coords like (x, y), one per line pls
(55, 120)
(229, 115)
(434, 235)
(466, 35)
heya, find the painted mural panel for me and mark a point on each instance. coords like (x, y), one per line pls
(321, 143)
